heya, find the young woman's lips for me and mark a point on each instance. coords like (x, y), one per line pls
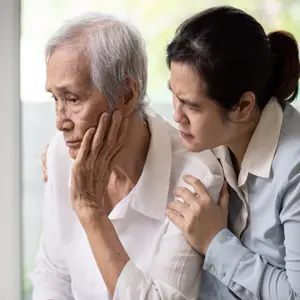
(186, 136)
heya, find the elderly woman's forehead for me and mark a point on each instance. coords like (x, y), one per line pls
(69, 57)
(65, 66)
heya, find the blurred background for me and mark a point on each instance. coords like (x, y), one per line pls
(157, 20)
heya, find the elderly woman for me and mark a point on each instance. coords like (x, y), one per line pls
(112, 171)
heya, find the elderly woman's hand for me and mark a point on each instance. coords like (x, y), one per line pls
(199, 217)
(93, 165)
(44, 163)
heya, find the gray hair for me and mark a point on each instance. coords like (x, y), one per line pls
(115, 49)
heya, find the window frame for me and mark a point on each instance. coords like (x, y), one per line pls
(10, 150)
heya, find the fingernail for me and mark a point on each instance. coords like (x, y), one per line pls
(117, 114)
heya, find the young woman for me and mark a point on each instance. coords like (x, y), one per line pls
(232, 86)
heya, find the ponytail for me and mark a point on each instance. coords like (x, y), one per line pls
(286, 72)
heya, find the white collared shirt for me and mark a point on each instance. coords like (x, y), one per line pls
(162, 264)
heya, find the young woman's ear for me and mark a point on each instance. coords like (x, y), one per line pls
(243, 110)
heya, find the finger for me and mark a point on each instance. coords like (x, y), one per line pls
(43, 159)
(123, 131)
(197, 185)
(193, 201)
(185, 194)
(100, 133)
(44, 156)
(45, 173)
(224, 198)
(44, 163)
(114, 128)
(45, 178)
(85, 145)
(180, 208)
(176, 219)
(122, 134)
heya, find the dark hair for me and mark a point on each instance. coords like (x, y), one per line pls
(232, 54)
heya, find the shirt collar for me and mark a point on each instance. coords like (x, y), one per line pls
(263, 144)
(150, 195)
(151, 192)
(262, 147)
(222, 153)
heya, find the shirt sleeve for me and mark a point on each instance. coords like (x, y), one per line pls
(50, 278)
(249, 275)
(177, 268)
(174, 274)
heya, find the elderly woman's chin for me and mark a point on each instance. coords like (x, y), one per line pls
(73, 152)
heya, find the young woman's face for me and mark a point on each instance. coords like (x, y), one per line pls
(201, 120)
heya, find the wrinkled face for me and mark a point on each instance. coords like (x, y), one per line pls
(201, 120)
(78, 104)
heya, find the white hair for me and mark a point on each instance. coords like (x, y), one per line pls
(115, 49)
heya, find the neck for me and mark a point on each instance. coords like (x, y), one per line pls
(238, 147)
(130, 162)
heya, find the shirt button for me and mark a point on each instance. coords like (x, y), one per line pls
(212, 268)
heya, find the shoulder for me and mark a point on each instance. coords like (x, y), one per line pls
(286, 163)
(202, 165)
(287, 156)
(290, 133)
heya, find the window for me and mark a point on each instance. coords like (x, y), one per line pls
(157, 21)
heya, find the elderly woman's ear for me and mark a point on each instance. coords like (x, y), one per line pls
(129, 99)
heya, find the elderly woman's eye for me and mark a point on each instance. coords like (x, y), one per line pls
(53, 97)
(73, 100)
